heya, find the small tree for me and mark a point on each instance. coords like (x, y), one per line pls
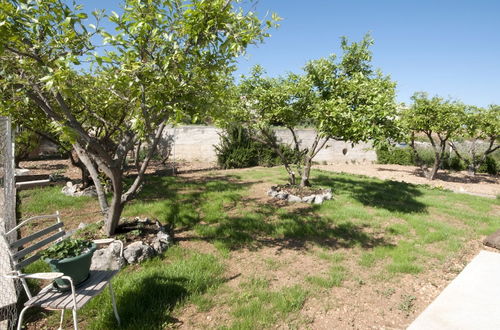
(436, 118)
(167, 59)
(342, 99)
(480, 125)
(266, 102)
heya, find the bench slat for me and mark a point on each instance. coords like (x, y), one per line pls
(87, 290)
(38, 245)
(36, 235)
(27, 261)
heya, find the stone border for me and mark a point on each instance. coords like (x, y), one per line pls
(136, 252)
(283, 194)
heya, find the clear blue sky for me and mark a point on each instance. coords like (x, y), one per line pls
(445, 47)
(450, 48)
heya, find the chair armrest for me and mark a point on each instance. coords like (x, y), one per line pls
(108, 241)
(104, 241)
(38, 276)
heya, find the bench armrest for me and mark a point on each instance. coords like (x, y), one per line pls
(38, 276)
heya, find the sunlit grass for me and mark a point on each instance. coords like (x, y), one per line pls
(381, 228)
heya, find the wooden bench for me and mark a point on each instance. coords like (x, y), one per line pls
(25, 251)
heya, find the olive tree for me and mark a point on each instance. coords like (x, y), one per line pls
(436, 118)
(341, 98)
(164, 59)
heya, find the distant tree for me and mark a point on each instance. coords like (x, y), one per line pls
(343, 99)
(439, 120)
(168, 59)
(479, 124)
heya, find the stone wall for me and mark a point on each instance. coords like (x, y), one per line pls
(196, 143)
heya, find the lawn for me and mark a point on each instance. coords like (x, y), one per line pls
(376, 255)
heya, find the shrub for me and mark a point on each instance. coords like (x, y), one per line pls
(394, 155)
(490, 166)
(404, 156)
(238, 150)
(454, 163)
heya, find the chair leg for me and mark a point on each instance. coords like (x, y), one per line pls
(114, 303)
(20, 321)
(62, 318)
(75, 321)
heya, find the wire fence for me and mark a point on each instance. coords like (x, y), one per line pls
(8, 287)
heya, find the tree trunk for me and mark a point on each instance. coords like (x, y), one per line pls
(435, 167)
(438, 155)
(115, 209)
(90, 165)
(306, 173)
(308, 158)
(84, 172)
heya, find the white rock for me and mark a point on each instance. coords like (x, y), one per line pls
(272, 193)
(137, 252)
(282, 195)
(318, 199)
(89, 191)
(108, 258)
(309, 199)
(294, 199)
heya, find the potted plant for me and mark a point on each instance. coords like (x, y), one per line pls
(72, 257)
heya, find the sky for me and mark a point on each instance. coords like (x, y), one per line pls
(443, 47)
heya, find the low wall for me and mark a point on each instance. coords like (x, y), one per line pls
(196, 143)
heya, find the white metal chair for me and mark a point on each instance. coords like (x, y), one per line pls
(25, 251)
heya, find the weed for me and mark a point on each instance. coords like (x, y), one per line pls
(407, 303)
(387, 292)
(334, 278)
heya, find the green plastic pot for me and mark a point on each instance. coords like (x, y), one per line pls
(78, 268)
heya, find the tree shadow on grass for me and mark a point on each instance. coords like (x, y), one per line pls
(390, 195)
(149, 304)
(287, 230)
(163, 187)
(178, 200)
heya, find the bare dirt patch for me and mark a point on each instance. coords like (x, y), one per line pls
(481, 184)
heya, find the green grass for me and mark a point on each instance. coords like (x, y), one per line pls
(256, 306)
(375, 229)
(147, 297)
(45, 200)
(335, 277)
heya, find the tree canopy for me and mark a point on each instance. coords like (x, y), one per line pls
(341, 98)
(109, 93)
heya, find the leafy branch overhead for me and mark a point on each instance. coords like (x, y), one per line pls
(112, 93)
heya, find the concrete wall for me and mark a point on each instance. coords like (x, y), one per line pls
(196, 143)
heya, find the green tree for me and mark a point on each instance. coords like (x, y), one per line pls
(168, 59)
(343, 99)
(479, 124)
(439, 120)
